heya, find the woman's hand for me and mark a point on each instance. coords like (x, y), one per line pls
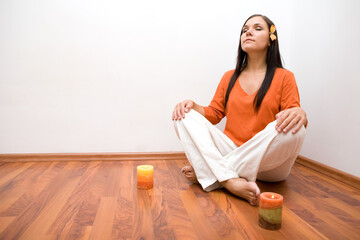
(182, 108)
(290, 118)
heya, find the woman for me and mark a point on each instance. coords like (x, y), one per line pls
(261, 102)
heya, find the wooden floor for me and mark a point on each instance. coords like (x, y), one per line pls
(99, 200)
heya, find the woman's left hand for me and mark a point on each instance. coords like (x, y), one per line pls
(290, 118)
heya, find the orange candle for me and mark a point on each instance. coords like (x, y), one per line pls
(270, 210)
(145, 176)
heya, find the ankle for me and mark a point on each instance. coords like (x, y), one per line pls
(229, 182)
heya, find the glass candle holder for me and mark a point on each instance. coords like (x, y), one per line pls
(145, 176)
(270, 210)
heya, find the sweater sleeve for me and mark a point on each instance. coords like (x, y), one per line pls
(216, 110)
(290, 94)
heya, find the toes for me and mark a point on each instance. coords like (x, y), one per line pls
(254, 194)
(186, 169)
(254, 201)
(251, 200)
(257, 193)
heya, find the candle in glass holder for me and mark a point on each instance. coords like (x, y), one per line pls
(145, 176)
(270, 210)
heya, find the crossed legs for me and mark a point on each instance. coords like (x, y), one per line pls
(217, 162)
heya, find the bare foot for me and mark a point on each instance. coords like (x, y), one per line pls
(244, 189)
(189, 174)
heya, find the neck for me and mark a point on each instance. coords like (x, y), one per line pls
(256, 62)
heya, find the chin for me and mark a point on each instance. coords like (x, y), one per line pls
(248, 49)
(252, 49)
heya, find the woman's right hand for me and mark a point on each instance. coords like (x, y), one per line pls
(182, 108)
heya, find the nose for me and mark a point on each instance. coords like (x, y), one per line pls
(249, 32)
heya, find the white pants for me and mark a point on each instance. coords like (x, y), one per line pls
(268, 156)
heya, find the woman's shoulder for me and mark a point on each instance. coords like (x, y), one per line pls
(284, 78)
(229, 73)
(282, 72)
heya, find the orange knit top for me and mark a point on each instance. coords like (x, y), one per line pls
(242, 122)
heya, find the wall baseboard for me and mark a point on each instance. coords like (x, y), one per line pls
(334, 173)
(131, 156)
(134, 156)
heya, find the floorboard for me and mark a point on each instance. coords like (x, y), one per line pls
(100, 200)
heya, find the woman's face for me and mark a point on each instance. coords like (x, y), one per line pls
(255, 36)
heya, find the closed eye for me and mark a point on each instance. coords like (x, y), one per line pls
(257, 29)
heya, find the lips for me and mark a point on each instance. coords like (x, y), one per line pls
(248, 40)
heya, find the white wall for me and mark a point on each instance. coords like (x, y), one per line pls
(325, 54)
(104, 76)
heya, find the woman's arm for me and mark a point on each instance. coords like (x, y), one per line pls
(184, 107)
(292, 116)
(215, 111)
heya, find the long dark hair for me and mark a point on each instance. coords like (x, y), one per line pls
(273, 61)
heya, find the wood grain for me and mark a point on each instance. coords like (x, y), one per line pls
(341, 176)
(103, 223)
(329, 171)
(100, 200)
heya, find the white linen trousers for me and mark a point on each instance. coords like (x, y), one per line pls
(215, 158)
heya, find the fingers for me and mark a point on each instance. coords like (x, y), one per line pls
(299, 125)
(293, 118)
(187, 106)
(181, 111)
(182, 108)
(289, 121)
(279, 114)
(176, 113)
(292, 123)
(280, 120)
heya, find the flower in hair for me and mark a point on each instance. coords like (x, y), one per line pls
(272, 31)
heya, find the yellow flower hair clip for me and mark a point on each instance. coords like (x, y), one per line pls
(272, 31)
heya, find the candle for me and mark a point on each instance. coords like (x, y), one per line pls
(270, 210)
(145, 176)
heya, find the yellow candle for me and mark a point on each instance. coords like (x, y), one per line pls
(145, 176)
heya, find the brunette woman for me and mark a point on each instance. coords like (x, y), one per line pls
(264, 121)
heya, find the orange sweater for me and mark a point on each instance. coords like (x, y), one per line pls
(242, 122)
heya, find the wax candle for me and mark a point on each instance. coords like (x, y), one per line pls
(270, 210)
(145, 176)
